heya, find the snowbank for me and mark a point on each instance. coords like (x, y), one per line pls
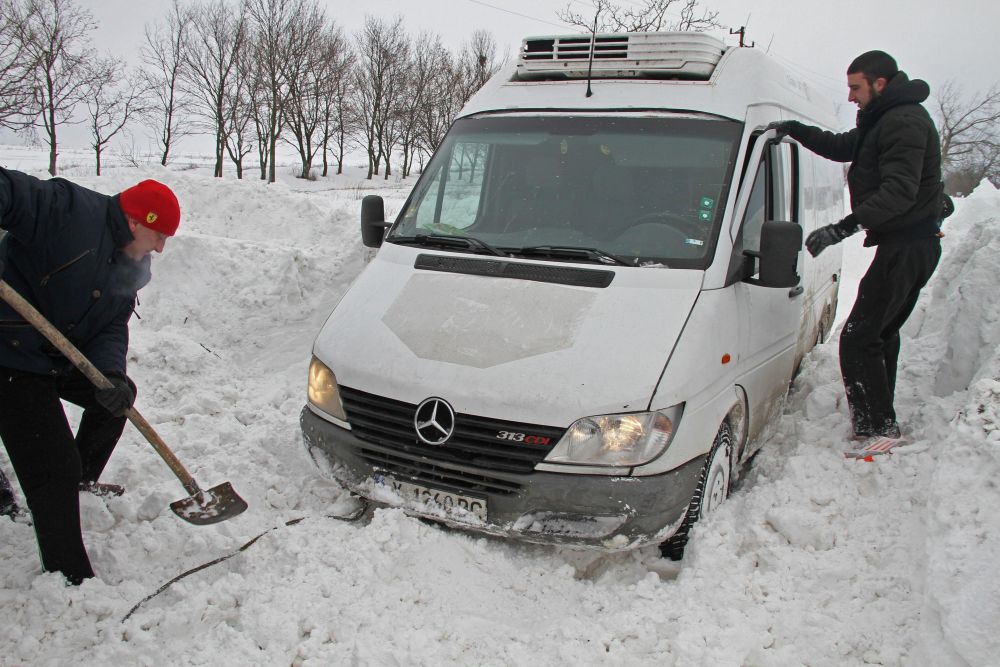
(813, 561)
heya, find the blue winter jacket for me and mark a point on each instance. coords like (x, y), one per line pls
(62, 252)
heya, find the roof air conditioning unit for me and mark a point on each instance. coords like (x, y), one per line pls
(635, 55)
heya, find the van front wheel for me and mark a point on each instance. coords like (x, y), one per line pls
(712, 489)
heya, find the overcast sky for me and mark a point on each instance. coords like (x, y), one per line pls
(935, 40)
(932, 39)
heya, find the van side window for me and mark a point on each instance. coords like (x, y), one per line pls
(773, 197)
(784, 183)
(756, 213)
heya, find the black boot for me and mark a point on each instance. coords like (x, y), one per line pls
(8, 504)
(102, 489)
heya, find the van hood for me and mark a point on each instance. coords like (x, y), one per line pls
(507, 348)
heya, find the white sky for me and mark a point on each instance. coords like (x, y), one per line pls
(930, 39)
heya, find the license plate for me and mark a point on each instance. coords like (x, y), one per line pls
(426, 499)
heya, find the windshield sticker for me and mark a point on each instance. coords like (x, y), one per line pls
(707, 202)
(704, 215)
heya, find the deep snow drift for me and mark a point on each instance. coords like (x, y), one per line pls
(814, 560)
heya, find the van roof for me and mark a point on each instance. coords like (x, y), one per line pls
(670, 71)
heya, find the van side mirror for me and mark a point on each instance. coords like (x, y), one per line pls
(780, 244)
(373, 224)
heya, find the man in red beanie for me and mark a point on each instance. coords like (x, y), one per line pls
(79, 257)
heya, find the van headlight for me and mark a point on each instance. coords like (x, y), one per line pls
(323, 390)
(617, 440)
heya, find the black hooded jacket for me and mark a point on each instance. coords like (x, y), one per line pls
(62, 252)
(895, 156)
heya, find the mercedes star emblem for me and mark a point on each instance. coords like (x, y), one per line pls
(434, 421)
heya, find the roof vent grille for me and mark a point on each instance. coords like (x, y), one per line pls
(638, 55)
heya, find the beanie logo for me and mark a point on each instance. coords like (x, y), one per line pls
(150, 218)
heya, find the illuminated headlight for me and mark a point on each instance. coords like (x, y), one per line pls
(617, 440)
(323, 390)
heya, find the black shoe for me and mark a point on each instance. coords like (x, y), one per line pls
(890, 431)
(8, 507)
(101, 489)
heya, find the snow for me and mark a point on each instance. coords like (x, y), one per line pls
(814, 559)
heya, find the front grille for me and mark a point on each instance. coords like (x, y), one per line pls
(473, 460)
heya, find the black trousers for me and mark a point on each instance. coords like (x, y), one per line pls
(51, 462)
(869, 342)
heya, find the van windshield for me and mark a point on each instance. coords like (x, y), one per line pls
(646, 190)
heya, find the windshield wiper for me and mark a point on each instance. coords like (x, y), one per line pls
(572, 252)
(444, 241)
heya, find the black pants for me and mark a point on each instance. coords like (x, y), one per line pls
(869, 342)
(51, 462)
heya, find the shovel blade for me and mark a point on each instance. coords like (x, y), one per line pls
(210, 506)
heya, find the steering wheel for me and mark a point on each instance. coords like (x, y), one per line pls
(683, 227)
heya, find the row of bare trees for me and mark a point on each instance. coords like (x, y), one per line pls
(970, 136)
(252, 74)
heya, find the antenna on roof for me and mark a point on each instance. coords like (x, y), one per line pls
(590, 65)
(742, 33)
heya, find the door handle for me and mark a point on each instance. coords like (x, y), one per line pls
(796, 291)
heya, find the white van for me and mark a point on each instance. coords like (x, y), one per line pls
(589, 310)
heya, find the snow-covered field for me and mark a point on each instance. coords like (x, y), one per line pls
(814, 560)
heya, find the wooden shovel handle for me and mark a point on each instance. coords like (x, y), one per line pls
(31, 314)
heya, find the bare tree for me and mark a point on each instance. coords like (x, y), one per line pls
(115, 98)
(376, 85)
(309, 76)
(429, 65)
(444, 99)
(647, 16)
(163, 56)
(259, 111)
(218, 32)
(274, 34)
(240, 109)
(57, 41)
(969, 127)
(15, 68)
(391, 122)
(338, 120)
(478, 61)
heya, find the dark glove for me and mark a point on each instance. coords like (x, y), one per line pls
(118, 398)
(947, 208)
(782, 128)
(821, 238)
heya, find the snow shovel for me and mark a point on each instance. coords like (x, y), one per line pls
(200, 507)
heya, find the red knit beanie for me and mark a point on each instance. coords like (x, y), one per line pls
(153, 204)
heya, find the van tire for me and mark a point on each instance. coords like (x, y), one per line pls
(713, 487)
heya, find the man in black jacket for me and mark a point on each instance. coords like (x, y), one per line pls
(896, 197)
(79, 257)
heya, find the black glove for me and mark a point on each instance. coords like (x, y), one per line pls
(821, 238)
(947, 208)
(118, 398)
(782, 128)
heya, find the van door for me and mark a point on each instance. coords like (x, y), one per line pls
(769, 321)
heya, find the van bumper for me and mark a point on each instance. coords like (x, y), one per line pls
(613, 513)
